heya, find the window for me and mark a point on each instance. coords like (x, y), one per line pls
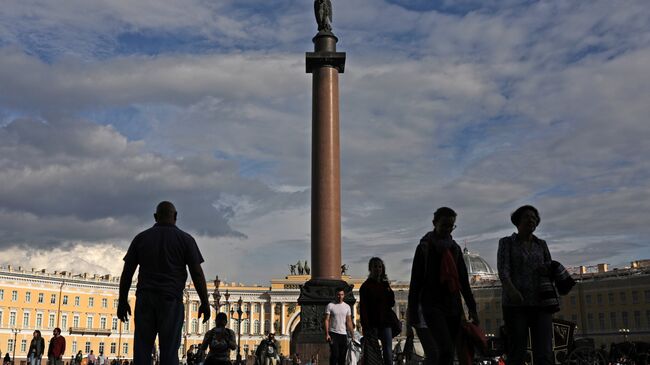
(25, 320)
(91, 302)
(125, 348)
(646, 294)
(588, 298)
(125, 326)
(256, 327)
(89, 322)
(14, 295)
(256, 308)
(574, 318)
(65, 300)
(622, 296)
(610, 298)
(39, 320)
(113, 346)
(23, 345)
(647, 317)
(12, 319)
(75, 321)
(590, 321)
(1, 318)
(635, 297)
(637, 319)
(195, 307)
(114, 324)
(626, 323)
(101, 347)
(102, 323)
(245, 307)
(87, 347)
(246, 326)
(64, 321)
(104, 303)
(612, 320)
(195, 326)
(50, 323)
(267, 326)
(2, 294)
(76, 301)
(41, 297)
(115, 303)
(53, 299)
(28, 297)
(599, 298)
(74, 347)
(601, 321)
(10, 345)
(487, 306)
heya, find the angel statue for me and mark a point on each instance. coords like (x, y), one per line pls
(307, 268)
(323, 12)
(292, 269)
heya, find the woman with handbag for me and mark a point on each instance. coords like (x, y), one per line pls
(528, 296)
(376, 311)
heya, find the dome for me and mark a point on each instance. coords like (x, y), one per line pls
(477, 267)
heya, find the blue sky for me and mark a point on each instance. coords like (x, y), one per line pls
(108, 107)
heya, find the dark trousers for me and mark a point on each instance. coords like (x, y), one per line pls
(518, 320)
(338, 348)
(161, 315)
(439, 338)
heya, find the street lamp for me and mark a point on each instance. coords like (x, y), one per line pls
(239, 314)
(16, 331)
(186, 294)
(624, 332)
(216, 295)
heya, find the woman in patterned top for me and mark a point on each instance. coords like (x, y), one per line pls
(220, 340)
(523, 262)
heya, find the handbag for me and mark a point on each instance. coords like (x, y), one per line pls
(395, 324)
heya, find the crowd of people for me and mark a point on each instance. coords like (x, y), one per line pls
(439, 284)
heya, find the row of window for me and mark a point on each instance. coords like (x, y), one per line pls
(41, 299)
(51, 323)
(245, 326)
(597, 321)
(611, 298)
(113, 347)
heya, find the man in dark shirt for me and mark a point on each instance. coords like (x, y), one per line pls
(162, 251)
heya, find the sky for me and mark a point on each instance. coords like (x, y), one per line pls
(108, 107)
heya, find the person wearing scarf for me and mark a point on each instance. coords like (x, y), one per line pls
(438, 279)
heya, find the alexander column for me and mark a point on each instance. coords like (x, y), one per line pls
(325, 64)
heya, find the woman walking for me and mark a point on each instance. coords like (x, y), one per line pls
(36, 348)
(528, 296)
(376, 302)
(438, 278)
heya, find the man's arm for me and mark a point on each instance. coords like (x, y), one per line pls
(198, 278)
(123, 307)
(326, 324)
(349, 325)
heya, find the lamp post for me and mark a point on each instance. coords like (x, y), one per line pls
(15, 331)
(216, 295)
(239, 314)
(624, 332)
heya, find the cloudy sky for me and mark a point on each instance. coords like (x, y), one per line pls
(107, 107)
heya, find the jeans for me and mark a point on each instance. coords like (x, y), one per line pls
(33, 360)
(439, 338)
(157, 314)
(338, 348)
(518, 320)
(386, 338)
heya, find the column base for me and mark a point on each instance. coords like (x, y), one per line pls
(309, 337)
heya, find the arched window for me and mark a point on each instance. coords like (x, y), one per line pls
(256, 327)
(246, 327)
(195, 326)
